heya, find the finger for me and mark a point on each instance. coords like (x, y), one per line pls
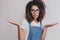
(55, 23)
(8, 20)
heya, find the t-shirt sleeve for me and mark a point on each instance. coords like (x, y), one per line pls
(43, 24)
(25, 24)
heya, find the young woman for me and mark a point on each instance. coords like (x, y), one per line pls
(31, 27)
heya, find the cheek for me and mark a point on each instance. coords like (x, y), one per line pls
(35, 15)
(32, 15)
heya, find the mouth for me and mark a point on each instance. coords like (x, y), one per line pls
(35, 15)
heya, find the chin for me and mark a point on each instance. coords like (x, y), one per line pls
(35, 18)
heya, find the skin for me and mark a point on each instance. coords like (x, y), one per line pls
(35, 13)
(22, 32)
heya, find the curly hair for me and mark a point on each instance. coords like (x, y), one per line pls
(40, 5)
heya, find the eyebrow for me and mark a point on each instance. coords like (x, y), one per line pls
(34, 9)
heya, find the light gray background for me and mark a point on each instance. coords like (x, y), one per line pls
(15, 9)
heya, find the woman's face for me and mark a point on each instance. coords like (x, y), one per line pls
(35, 11)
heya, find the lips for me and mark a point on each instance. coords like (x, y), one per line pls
(35, 15)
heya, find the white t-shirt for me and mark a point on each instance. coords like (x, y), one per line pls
(25, 25)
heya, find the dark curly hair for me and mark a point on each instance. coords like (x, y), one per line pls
(40, 5)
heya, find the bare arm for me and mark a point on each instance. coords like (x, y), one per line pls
(21, 32)
(45, 29)
(43, 34)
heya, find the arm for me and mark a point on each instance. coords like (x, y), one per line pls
(44, 33)
(45, 29)
(21, 32)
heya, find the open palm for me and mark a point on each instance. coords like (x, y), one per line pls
(13, 22)
(50, 25)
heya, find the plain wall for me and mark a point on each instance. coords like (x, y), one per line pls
(15, 9)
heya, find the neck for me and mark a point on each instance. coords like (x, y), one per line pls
(35, 21)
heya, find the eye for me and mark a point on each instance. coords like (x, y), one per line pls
(37, 9)
(32, 9)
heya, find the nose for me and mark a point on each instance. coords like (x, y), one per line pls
(34, 12)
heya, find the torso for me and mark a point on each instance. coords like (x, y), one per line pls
(35, 32)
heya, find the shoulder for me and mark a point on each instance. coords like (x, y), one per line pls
(25, 23)
(24, 20)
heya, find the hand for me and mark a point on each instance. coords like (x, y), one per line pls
(13, 22)
(50, 25)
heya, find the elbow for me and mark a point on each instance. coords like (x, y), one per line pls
(42, 39)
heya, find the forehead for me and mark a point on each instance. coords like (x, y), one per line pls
(34, 7)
